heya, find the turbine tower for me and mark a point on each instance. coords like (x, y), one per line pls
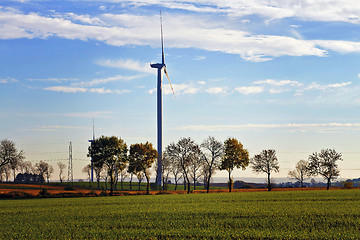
(160, 67)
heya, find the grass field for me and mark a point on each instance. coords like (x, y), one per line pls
(250, 215)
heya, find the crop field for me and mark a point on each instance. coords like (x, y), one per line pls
(251, 215)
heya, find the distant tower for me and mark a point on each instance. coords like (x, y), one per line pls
(92, 162)
(70, 167)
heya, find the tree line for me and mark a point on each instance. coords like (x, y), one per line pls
(182, 160)
(12, 162)
(188, 161)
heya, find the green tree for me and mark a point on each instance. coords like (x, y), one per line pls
(141, 157)
(301, 172)
(234, 156)
(324, 164)
(108, 151)
(265, 162)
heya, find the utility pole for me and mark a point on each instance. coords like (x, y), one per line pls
(70, 166)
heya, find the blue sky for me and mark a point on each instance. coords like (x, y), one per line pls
(274, 74)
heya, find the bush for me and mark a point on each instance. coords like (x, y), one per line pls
(348, 185)
(44, 192)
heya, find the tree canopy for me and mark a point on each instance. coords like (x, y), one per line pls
(141, 157)
(325, 164)
(265, 162)
(234, 156)
(108, 151)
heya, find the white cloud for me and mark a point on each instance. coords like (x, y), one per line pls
(199, 58)
(319, 10)
(129, 64)
(217, 90)
(179, 89)
(249, 90)
(105, 80)
(67, 89)
(278, 82)
(57, 80)
(203, 82)
(7, 80)
(318, 86)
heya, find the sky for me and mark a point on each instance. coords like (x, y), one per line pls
(280, 75)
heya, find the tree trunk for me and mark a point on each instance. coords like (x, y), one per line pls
(111, 184)
(139, 184)
(98, 181)
(328, 184)
(208, 182)
(194, 184)
(230, 181)
(131, 176)
(176, 184)
(269, 183)
(121, 183)
(148, 184)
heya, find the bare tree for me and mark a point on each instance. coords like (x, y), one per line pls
(213, 151)
(7, 172)
(9, 154)
(324, 164)
(49, 172)
(182, 153)
(301, 172)
(62, 167)
(42, 168)
(166, 170)
(28, 168)
(87, 170)
(265, 162)
(176, 171)
(123, 174)
(195, 164)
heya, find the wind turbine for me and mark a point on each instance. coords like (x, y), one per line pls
(160, 67)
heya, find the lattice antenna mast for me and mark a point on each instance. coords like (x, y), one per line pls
(70, 166)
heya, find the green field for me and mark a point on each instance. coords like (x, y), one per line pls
(259, 215)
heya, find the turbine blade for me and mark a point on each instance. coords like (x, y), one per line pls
(162, 41)
(167, 75)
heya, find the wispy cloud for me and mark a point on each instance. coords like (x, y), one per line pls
(105, 80)
(57, 80)
(55, 128)
(249, 89)
(7, 80)
(179, 89)
(128, 64)
(124, 29)
(278, 82)
(67, 89)
(217, 90)
(199, 58)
